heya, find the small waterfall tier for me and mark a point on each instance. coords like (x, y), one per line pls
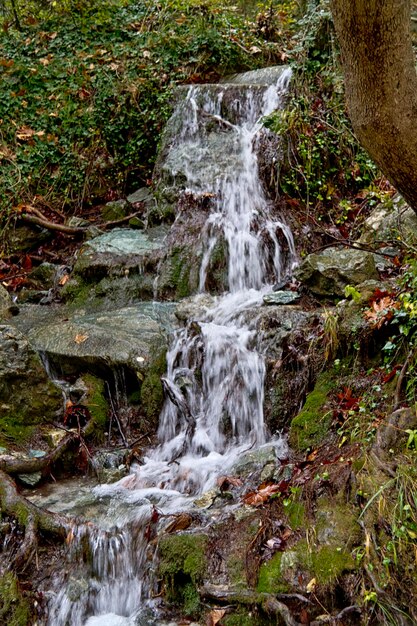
(215, 376)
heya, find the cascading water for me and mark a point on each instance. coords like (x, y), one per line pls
(215, 378)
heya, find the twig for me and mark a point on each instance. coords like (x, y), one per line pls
(120, 221)
(352, 245)
(119, 426)
(403, 372)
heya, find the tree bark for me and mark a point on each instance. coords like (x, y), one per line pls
(381, 84)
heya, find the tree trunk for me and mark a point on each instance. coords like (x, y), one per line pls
(381, 84)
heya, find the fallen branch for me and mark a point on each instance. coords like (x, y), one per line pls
(44, 223)
(268, 601)
(13, 465)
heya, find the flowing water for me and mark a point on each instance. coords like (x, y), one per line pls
(215, 379)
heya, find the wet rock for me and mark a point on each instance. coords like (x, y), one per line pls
(128, 338)
(119, 266)
(24, 238)
(194, 307)
(327, 273)
(78, 222)
(28, 396)
(142, 195)
(54, 436)
(206, 499)
(30, 480)
(392, 435)
(255, 461)
(281, 297)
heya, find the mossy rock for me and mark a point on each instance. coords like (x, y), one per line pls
(182, 566)
(97, 404)
(28, 395)
(14, 608)
(151, 391)
(310, 427)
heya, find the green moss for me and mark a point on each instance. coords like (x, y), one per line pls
(182, 566)
(97, 405)
(243, 619)
(270, 576)
(183, 554)
(328, 563)
(13, 431)
(236, 569)
(296, 514)
(180, 272)
(151, 391)
(76, 292)
(310, 426)
(14, 609)
(152, 396)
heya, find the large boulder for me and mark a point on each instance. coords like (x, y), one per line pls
(327, 273)
(126, 339)
(118, 267)
(27, 395)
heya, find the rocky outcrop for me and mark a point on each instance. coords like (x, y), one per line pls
(327, 273)
(127, 338)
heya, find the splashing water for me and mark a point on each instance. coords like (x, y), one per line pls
(215, 378)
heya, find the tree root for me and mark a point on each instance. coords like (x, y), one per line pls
(30, 517)
(44, 223)
(12, 465)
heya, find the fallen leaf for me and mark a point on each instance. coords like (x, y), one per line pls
(80, 338)
(64, 279)
(381, 311)
(181, 522)
(311, 585)
(256, 498)
(225, 482)
(215, 616)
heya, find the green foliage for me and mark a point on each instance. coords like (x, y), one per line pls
(86, 90)
(325, 162)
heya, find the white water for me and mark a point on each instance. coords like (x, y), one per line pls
(214, 370)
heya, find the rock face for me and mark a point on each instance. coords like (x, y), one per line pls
(119, 266)
(27, 395)
(125, 338)
(328, 273)
(389, 221)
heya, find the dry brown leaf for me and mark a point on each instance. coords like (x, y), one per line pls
(225, 482)
(64, 279)
(215, 616)
(181, 522)
(79, 338)
(256, 498)
(24, 133)
(381, 311)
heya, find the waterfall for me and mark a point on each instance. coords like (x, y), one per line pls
(215, 377)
